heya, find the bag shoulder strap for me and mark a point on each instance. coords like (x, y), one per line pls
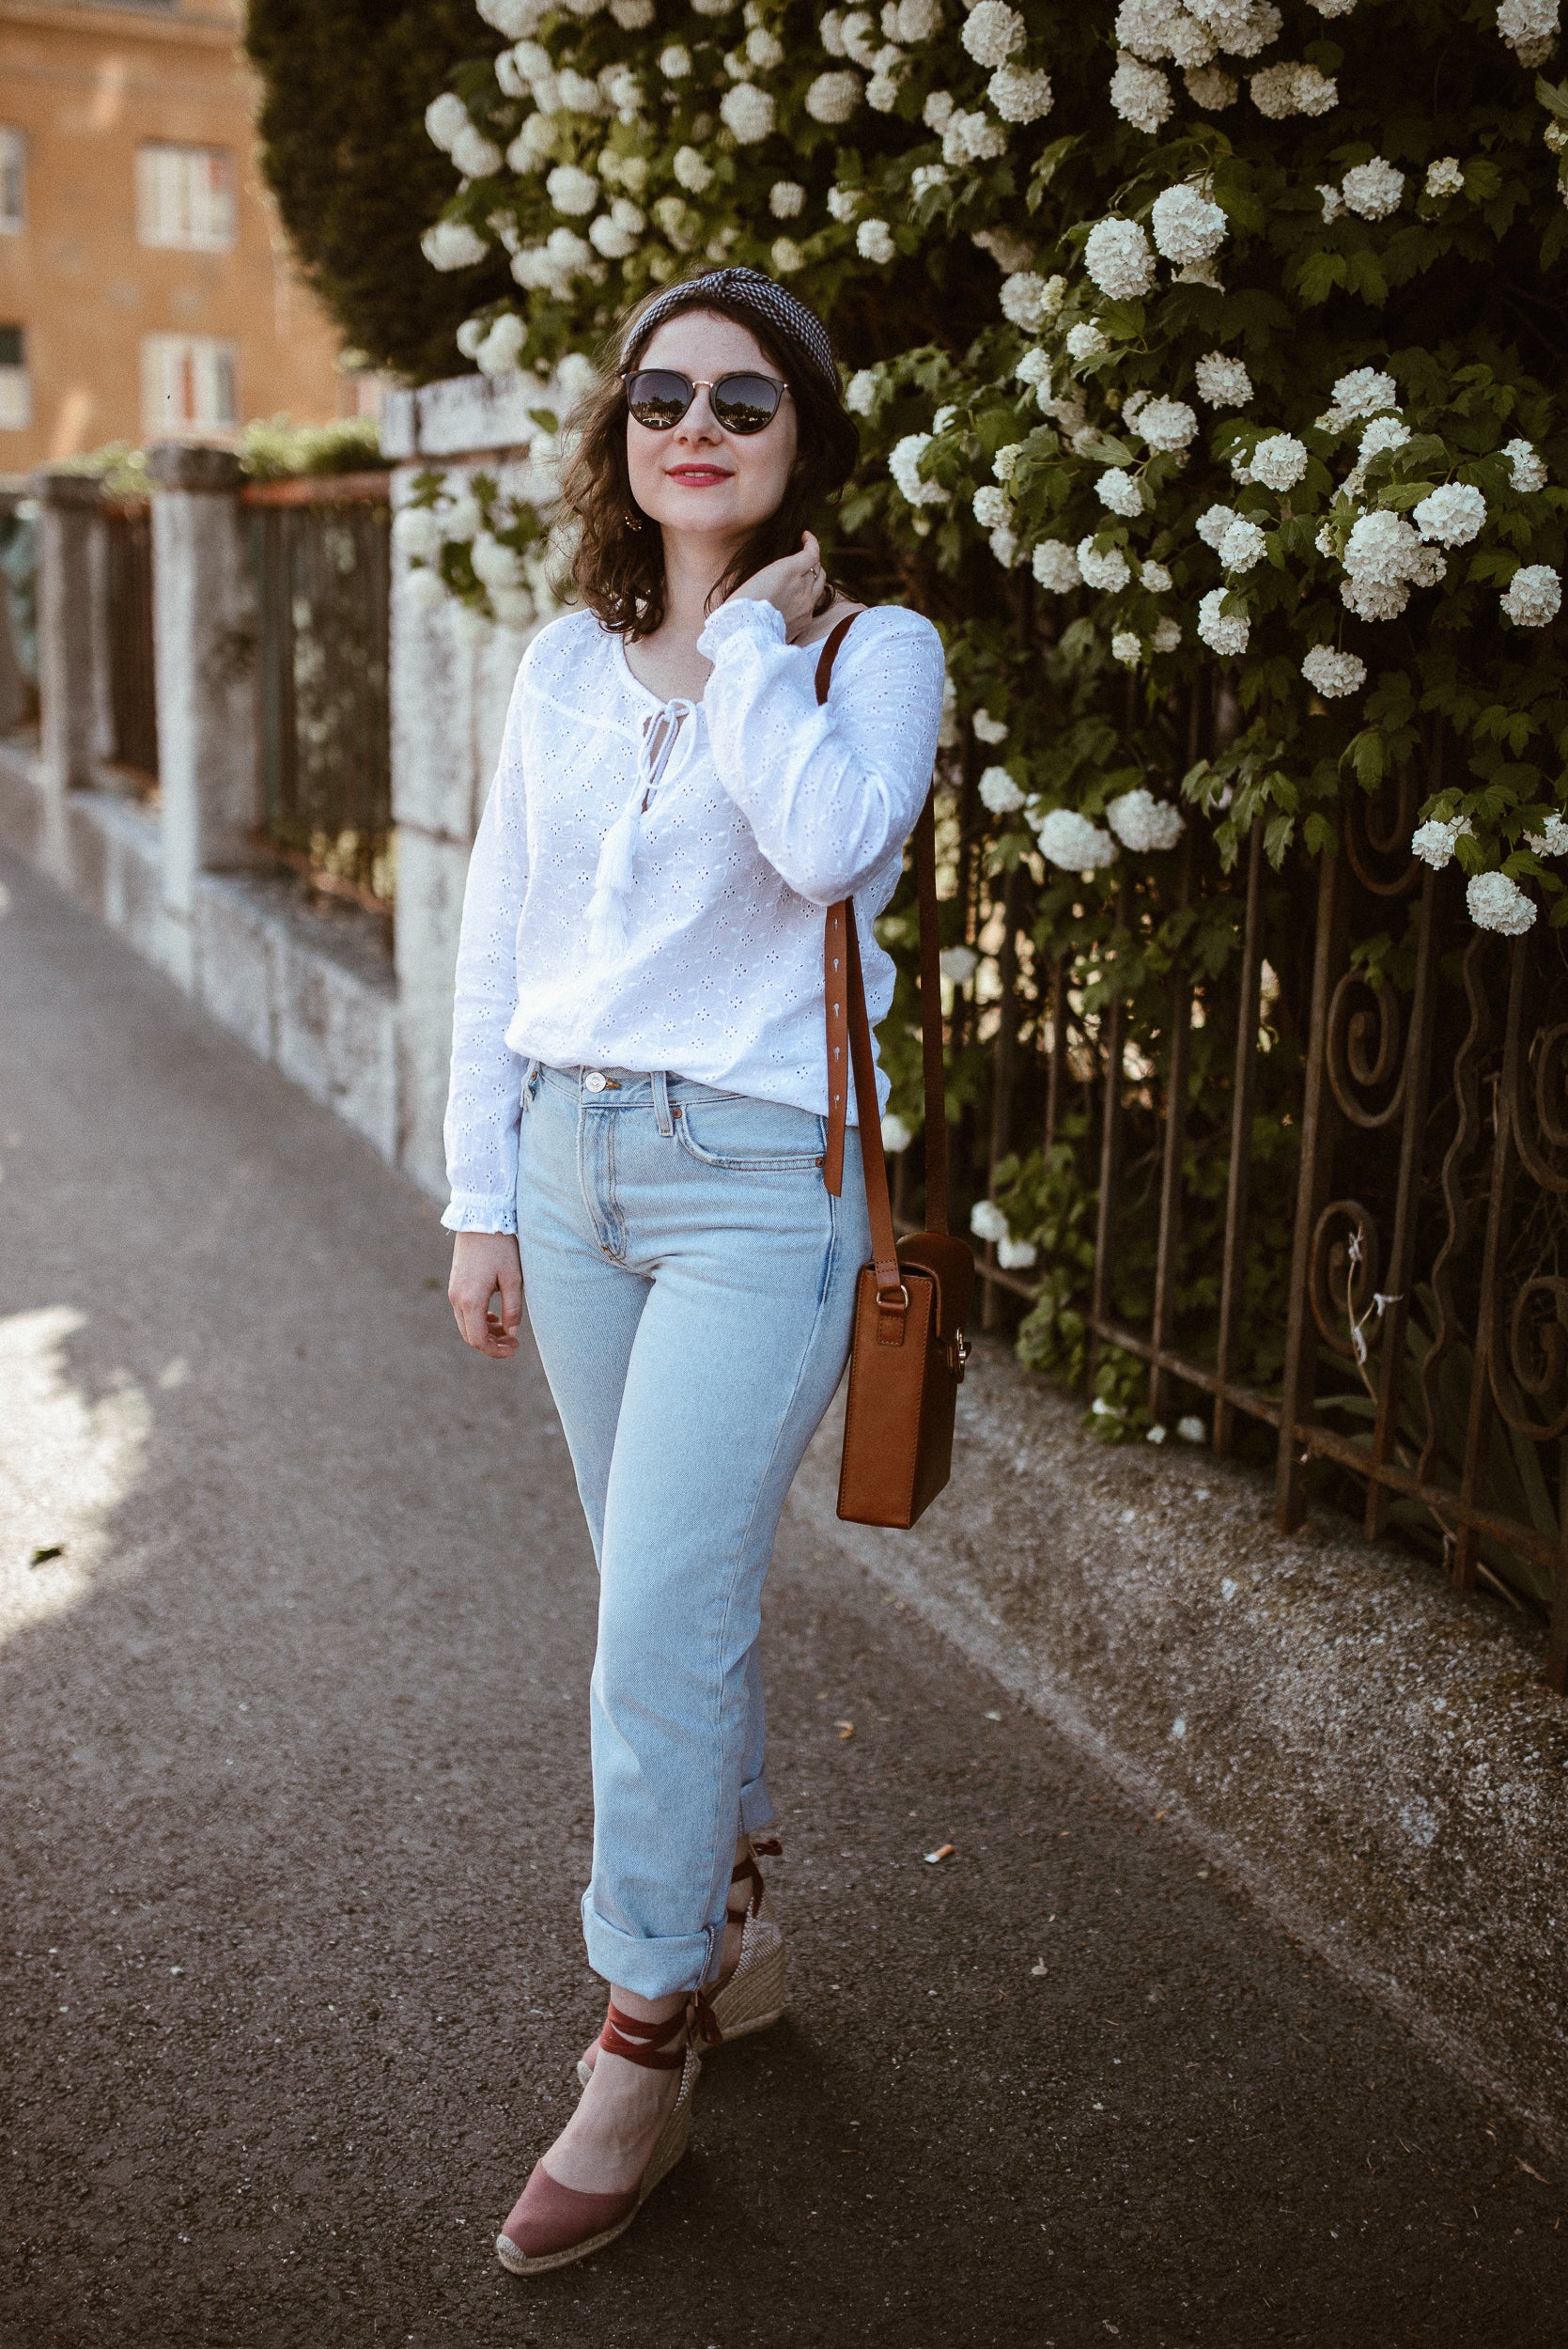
(849, 1053)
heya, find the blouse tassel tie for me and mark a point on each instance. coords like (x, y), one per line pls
(610, 906)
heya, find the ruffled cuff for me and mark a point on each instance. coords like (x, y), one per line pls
(742, 616)
(473, 1211)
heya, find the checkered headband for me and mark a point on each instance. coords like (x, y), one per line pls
(800, 329)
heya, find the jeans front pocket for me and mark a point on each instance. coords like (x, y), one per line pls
(747, 1136)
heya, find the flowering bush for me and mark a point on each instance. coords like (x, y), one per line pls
(1194, 212)
(1203, 351)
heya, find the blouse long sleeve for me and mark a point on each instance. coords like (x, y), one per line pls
(830, 792)
(485, 1101)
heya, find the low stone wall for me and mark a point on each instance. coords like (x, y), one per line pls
(311, 990)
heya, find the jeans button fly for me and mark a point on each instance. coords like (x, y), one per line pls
(593, 1078)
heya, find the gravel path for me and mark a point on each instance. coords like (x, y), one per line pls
(296, 1812)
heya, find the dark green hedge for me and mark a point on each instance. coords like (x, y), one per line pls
(343, 149)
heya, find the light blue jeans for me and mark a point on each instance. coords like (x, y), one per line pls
(690, 1284)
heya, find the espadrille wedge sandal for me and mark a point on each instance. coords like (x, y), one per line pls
(551, 2224)
(753, 1995)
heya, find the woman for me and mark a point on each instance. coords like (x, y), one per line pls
(636, 1129)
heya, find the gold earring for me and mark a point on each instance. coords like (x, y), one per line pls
(633, 519)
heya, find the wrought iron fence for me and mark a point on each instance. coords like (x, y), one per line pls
(322, 555)
(19, 651)
(133, 684)
(1322, 1198)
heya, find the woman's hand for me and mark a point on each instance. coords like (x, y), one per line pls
(791, 586)
(484, 1264)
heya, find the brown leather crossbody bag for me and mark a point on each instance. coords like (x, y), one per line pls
(912, 1300)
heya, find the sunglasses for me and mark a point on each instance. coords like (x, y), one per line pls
(659, 397)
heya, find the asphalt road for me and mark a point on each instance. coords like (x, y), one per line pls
(295, 1813)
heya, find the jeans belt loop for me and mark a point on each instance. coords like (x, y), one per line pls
(661, 1103)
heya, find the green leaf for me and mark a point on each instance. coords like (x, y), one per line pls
(1319, 273)
(1364, 276)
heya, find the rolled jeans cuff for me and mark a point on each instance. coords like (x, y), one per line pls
(654, 1966)
(757, 1813)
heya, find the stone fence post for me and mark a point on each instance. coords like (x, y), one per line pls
(449, 698)
(205, 634)
(70, 651)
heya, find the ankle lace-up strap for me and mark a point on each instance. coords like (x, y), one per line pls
(746, 1871)
(642, 2043)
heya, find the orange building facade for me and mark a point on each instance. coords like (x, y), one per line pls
(147, 290)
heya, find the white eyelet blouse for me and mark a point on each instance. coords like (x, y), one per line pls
(647, 886)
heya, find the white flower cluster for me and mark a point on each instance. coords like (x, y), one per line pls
(987, 1222)
(1021, 93)
(990, 507)
(572, 190)
(1119, 490)
(1086, 341)
(786, 199)
(904, 464)
(1242, 27)
(1243, 546)
(1553, 841)
(1280, 91)
(860, 392)
(747, 113)
(1333, 674)
(1223, 632)
(1165, 424)
(1214, 522)
(1526, 468)
(1278, 462)
(1108, 571)
(1141, 94)
(1498, 903)
(1027, 299)
(1222, 382)
(1186, 225)
(874, 241)
(1117, 256)
(1074, 843)
(1445, 177)
(1534, 596)
(452, 244)
(1530, 27)
(973, 138)
(993, 32)
(1384, 559)
(832, 98)
(1211, 89)
(1433, 840)
(554, 266)
(1157, 30)
(998, 793)
(1452, 515)
(988, 729)
(1364, 392)
(1374, 190)
(1143, 823)
(1056, 567)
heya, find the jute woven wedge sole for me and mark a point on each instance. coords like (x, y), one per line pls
(673, 2142)
(755, 1994)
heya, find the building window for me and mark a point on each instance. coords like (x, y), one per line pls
(187, 386)
(13, 182)
(185, 197)
(16, 391)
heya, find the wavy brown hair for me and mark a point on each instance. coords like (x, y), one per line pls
(618, 565)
